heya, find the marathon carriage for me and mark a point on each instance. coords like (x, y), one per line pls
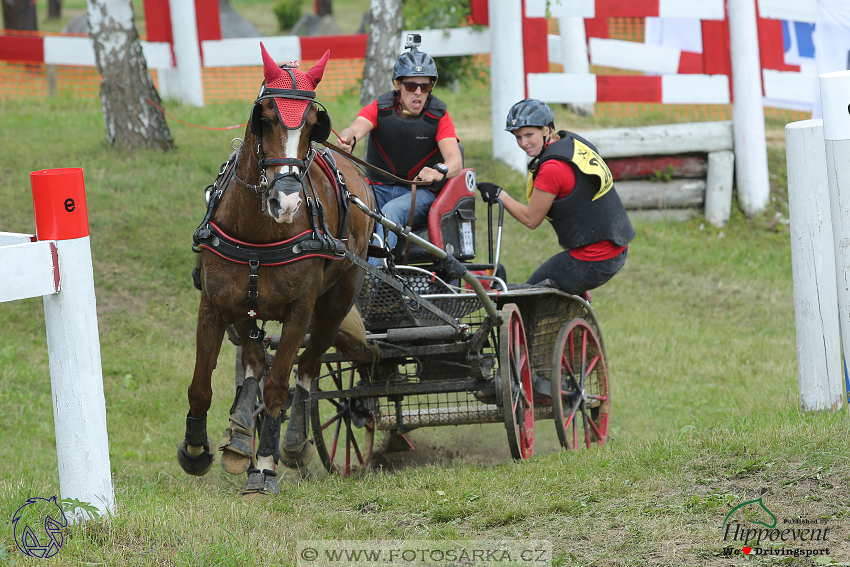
(446, 340)
(455, 344)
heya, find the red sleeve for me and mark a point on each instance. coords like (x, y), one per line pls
(555, 177)
(445, 129)
(370, 113)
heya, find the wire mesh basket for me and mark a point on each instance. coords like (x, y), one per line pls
(384, 307)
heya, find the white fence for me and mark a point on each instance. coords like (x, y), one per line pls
(58, 266)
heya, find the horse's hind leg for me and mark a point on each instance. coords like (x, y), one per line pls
(237, 443)
(330, 311)
(194, 452)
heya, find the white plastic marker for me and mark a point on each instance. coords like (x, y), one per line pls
(835, 103)
(819, 363)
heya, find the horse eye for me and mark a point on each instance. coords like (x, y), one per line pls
(266, 123)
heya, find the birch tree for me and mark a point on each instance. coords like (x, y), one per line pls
(126, 88)
(383, 46)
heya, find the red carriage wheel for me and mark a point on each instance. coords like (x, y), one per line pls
(580, 374)
(515, 384)
(343, 428)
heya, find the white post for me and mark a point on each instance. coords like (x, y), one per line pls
(819, 362)
(507, 77)
(187, 54)
(748, 108)
(574, 54)
(835, 105)
(73, 344)
(718, 187)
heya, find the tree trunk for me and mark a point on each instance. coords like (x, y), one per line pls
(324, 8)
(54, 9)
(126, 89)
(19, 15)
(383, 47)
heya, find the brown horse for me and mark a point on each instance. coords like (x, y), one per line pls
(273, 247)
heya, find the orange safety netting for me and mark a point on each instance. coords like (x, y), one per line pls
(342, 78)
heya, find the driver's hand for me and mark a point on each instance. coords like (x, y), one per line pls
(427, 174)
(346, 140)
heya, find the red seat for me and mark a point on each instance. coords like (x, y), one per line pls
(451, 222)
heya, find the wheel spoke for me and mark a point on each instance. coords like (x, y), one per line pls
(591, 366)
(334, 418)
(336, 439)
(586, 419)
(595, 429)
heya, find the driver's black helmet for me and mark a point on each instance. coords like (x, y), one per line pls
(529, 112)
(415, 63)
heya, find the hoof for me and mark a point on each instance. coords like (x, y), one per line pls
(195, 465)
(298, 458)
(237, 449)
(261, 482)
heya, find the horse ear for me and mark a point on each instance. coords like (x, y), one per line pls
(316, 71)
(271, 71)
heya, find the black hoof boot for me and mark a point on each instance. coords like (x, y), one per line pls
(237, 444)
(196, 436)
(261, 482)
(296, 448)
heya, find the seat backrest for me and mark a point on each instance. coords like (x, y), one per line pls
(451, 222)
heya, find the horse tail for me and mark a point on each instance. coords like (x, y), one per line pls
(351, 339)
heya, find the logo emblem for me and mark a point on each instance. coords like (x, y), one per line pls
(470, 181)
(419, 68)
(38, 527)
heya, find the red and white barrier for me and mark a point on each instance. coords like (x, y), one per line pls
(57, 264)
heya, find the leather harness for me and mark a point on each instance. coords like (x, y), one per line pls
(318, 241)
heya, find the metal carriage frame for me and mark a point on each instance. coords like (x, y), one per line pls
(453, 347)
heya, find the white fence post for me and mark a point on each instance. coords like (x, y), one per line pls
(718, 187)
(748, 108)
(835, 97)
(73, 345)
(189, 87)
(819, 361)
(507, 77)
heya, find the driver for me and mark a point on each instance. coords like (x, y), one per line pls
(412, 137)
(570, 185)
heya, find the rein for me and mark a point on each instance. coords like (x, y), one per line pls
(351, 157)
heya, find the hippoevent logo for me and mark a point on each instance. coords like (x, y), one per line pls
(38, 527)
(752, 529)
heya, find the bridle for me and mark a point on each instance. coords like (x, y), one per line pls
(297, 169)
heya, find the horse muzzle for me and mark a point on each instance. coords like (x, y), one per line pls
(284, 197)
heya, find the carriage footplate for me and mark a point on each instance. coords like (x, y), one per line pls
(261, 482)
(237, 443)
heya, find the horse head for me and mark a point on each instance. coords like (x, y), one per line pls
(285, 120)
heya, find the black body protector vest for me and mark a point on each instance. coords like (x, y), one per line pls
(593, 211)
(404, 146)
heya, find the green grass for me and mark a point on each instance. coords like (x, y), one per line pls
(700, 333)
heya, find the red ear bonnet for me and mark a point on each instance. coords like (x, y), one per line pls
(292, 110)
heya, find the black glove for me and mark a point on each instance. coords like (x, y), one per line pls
(489, 191)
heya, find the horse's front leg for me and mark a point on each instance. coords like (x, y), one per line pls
(237, 443)
(194, 452)
(295, 323)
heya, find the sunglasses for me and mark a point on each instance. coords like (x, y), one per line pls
(411, 87)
